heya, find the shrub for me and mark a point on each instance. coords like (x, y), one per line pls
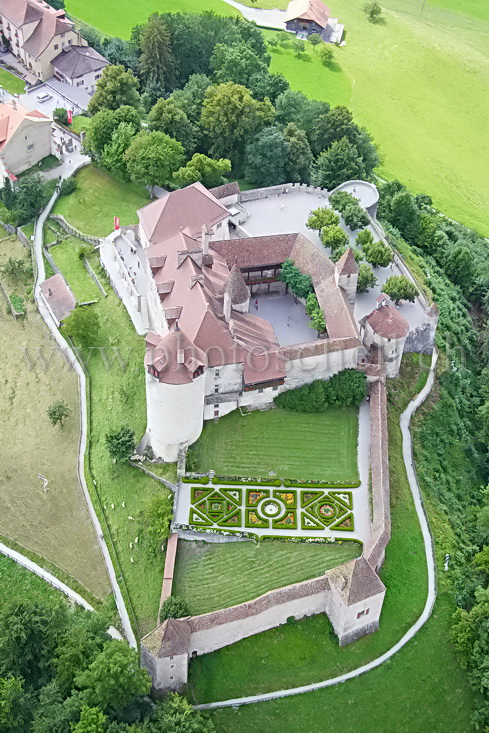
(17, 303)
(291, 620)
(120, 443)
(60, 115)
(348, 387)
(58, 412)
(398, 287)
(355, 217)
(300, 284)
(84, 251)
(174, 608)
(341, 200)
(68, 185)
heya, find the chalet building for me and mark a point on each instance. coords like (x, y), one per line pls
(307, 16)
(36, 34)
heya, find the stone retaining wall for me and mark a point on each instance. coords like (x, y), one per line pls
(74, 231)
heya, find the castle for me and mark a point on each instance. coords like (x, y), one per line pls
(190, 276)
(207, 353)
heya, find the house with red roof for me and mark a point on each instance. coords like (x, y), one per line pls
(25, 139)
(307, 16)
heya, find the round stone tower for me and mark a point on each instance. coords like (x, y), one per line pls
(387, 329)
(175, 392)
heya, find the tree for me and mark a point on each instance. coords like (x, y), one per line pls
(348, 387)
(299, 284)
(314, 39)
(79, 647)
(121, 443)
(236, 63)
(121, 52)
(398, 287)
(105, 123)
(152, 158)
(263, 85)
(404, 215)
(157, 517)
(317, 320)
(299, 47)
(333, 126)
(92, 720)
(82, 326)
(459, 265)
(115, 88)
(266, 158)
(68, 186)
(8, 194)
(326, 54)
(156, 63)
(378, 254)
(91, 36)
(366, 278)
(114, 680)
(321, 218)
(18, 269)
(113, 154)
(299, 156)
(14, 706)
(365, 238)
(174, 608)
(334, 237)
(60, 115)
(57, 4)
(340, 163)
(175, 715)
(355, 217)
(29, 635)
(231, 117)
(191, 98)
(31, 197)
(50, 713)
(208, 171)
(58, 412)
(168, 117)
(341, 200)
(373, 11)
(297, 108)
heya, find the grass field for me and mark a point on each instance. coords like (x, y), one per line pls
(11, 83)
(80, 123)
(211, 576)
(97, 199)
(117, 397)
(289, 444)
(419, 85)
(65, 255)
(54, 524)
(17, 583)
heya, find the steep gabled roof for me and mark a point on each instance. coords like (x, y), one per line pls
(355, 581)
(187, 209)
(12, 115)
(227, 189)
(169, 639)
(347, 265)
(236, 287)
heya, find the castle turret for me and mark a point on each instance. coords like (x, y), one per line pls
(236, 293)
(387, 329)
(346, 274)
(175, 392)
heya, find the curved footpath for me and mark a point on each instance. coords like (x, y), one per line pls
(430, 562)
(70, 356)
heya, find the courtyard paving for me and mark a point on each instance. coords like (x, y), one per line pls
(287, 316)
(278, 214)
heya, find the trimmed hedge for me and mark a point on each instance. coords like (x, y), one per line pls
(239, 482)
(297, 484)
(202, 480)
(348, 387)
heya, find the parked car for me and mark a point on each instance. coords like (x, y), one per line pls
(44, 97)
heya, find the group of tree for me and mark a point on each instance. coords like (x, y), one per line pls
(60, 672)
(26, 200)
(315, 313)
(212, 93)
(299, 284)
(348, 387)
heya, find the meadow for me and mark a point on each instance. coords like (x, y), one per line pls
(17, 583)
(418, 81)
(55, 523)
(213, 576)
(294, 445)
(65, 255)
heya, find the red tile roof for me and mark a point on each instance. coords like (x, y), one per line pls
(58, 296)
(313, 10)
(387, 322)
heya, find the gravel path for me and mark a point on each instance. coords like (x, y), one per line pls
(430, 562)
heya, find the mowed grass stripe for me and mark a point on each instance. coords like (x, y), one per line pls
(210, 577)
(290, 444)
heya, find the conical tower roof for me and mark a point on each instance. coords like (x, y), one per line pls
(347, 265)
(236, 287)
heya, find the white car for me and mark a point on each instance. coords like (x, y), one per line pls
(43, 97)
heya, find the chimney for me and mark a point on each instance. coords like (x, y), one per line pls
(205, 240)
(227, 307)
(50, 292)
(14, 103)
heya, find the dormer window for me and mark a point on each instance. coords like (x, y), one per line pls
(198, 372)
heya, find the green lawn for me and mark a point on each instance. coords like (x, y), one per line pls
(33, 374)
(293, 445)
(19, 584)
(421, 689)
(66, 257)
(11, 83)
(211, 576)
(117, 397)
(117, 19)
(97, 199)
(308, 651)
(80, 123)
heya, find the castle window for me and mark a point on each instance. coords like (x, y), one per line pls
(216, 389)
(275, 389)
(217, 374)
(260, 391)
(216, 407)
(171, 657)
(171, 679)
(172, 666)
(365, 612)
(56, 46)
